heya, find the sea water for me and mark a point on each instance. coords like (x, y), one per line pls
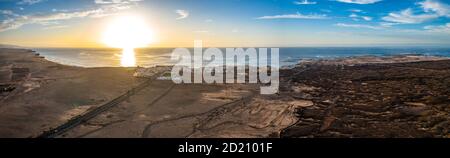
(90, 57)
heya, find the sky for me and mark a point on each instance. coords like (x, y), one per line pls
(231, 23)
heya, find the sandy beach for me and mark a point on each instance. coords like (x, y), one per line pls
(404, 96)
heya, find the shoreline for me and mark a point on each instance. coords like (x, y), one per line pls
(350, 60)
(154, 57)
(315, 100)
(360, 60)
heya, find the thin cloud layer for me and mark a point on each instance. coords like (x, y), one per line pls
(182, 14)
(437, 7)
(115, 1)
(29, 2)
(54, 17)
(408, 17)
(294, 16)
(358, 26)
(439, 29)
(432, 9)
(304, 2)
(359, 1)
(357, 17)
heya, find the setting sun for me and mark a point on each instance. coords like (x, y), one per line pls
(127, 32)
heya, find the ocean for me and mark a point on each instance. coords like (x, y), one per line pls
(148, 57)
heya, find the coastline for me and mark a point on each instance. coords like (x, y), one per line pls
(361, 60)
(288, 56)
(44, 92)
(314, 101)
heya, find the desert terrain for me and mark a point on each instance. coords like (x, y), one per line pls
(403, 96)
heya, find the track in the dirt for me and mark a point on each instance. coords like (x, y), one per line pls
(74, 122)
(222, 107)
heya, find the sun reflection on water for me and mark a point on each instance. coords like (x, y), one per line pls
(128, 58)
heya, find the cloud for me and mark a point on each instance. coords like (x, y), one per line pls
(29, 2)
(304, 2)
(201, 31)
(437, 7)
(408, 17)
(359, 1)
(183, 14)
(53, 17)
(432, 9)
(367, 18)
(388, 24)
(48, 23)
(8, 12)
(439, 29)
(56, 27)
(294, 16)
(358, 17)
(358, 26)
(355, 10)
(9, 24)
(115, 1)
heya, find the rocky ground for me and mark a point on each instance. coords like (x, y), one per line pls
(370, 100)
(404, 96)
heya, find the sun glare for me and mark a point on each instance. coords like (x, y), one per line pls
(127, 32)
(128, 58)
